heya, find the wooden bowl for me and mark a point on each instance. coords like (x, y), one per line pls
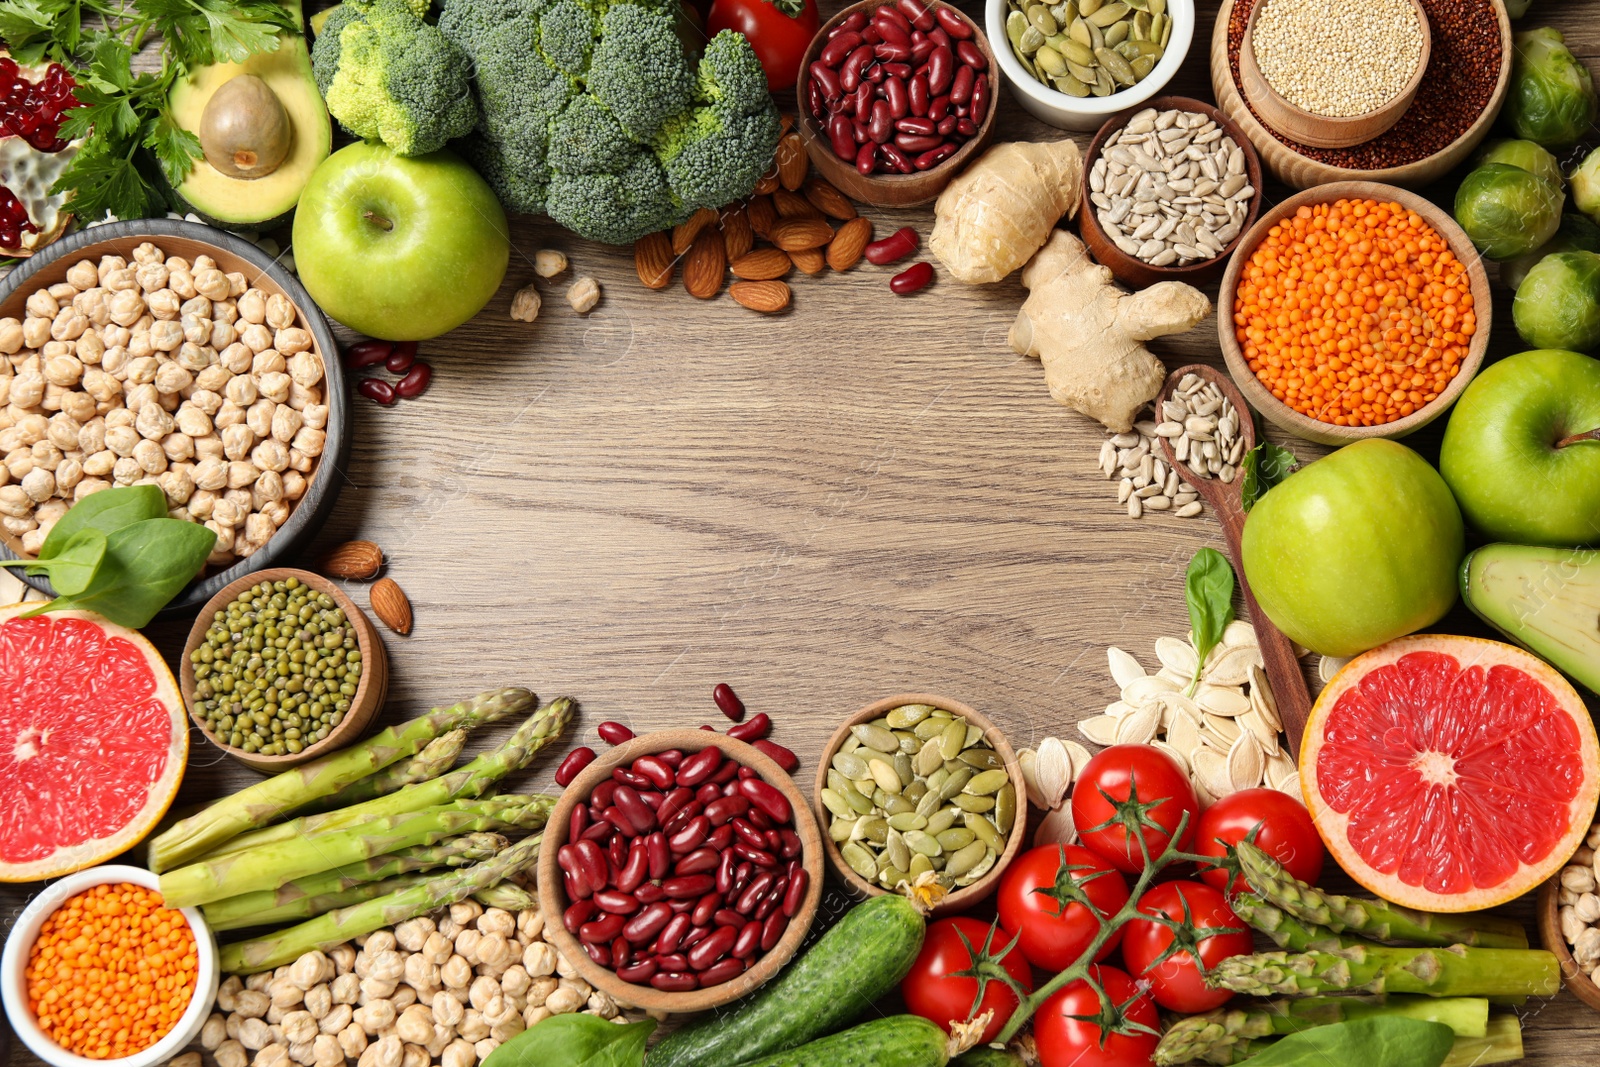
(1324, 131)
(1281, 414)
(967, 896)
(553, 898)
(1300, 171)
(364, 706)
(890, 190)
(1131, 269)
(188, 239)
(1572, 976)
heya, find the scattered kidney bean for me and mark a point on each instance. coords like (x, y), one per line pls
(897, 245)
(783, 757)
(400, 360)
(759, 726)
(613, 733)
(415, 383)
(914, 277)
(374, 389)
(728, 701)
(576, 761)
(367, 354)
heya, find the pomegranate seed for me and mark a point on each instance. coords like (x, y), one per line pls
(728, 701)
(375, 390)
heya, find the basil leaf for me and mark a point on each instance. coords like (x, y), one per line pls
(575, 1041)
(73, 567)
(1263, 467)
(107, 511)
(1208, 587)
(1382, 1041)
(145, 566)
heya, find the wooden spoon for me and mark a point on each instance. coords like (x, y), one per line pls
(1289, 690)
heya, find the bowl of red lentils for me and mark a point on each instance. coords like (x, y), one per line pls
(1354, 310)
(97, 969)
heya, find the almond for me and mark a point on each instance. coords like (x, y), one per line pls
(653, 259)
(737, 237)
(390, 605)
(705, 265)
(761, 214)
(684, 233)
(828, 200)
(766, 297)
(809, 260)
(767, 183)
(844, 251)
(353, 561)
(763, 264)
(794, 206)
(792, 161)
(798, 235)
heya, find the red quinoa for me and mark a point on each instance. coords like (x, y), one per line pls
(1460, 79)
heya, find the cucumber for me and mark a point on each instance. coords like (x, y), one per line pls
(863, 957)
(984, 1056)
(897, 1041)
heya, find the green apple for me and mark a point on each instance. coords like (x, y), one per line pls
(1355, 549)
(402, 248)
(1503, 453)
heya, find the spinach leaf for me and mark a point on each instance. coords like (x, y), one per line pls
(73, 566)
(1264, 466)
(107, 511)
(145, 566)
(575, 1041)
(1382, 1041)
(1208, 587)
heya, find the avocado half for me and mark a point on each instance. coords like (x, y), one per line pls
(1545, 599)
(268, 201)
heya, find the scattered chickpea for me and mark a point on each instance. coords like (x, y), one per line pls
(548, 262)
(525, 305)
(584, 295)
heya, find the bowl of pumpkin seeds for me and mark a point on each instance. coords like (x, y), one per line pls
(920, 792)
(1072, 63)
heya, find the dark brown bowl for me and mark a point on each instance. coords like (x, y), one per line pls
(1132, 270)
(890, 190)
(1549, 917)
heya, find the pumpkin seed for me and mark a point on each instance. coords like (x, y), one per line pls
(860, 860)
(891, 877)
(856, 799)
(986, 782)
(1117, 33)
(873, 829)
(923, 842)
(915, 790)
(955, 783)
(1032, 40)
(969, 802)
(1005, 807)
(841, 830)
(1016, 23)
(929, 804)
(907, 820)
(1108, 14)
(957, 837)
(1089, 7)
(953, 739)
(899, 806)
(963, 860)
(902, 768)
(985, 830)
(849, 764)
(876, 737)
(1042, 20)
(836, 803)
(908, 715)
(942, 820)
(982, 759)
(851, 744)
(920, 865)
(1070, 85)
(930, 727)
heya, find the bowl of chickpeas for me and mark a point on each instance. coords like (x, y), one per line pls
(165, 352)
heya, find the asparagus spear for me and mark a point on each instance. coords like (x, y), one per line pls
(317, 893)
(1362, 968)
(1228, 1035)
(1286, 931)
(1376, 919)
(437, 757)
(265, 801)
(469, 780)
(337, 927)
(508, 896)
(274, 864)
(1501, 1044)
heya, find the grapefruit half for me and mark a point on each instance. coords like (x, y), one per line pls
(93, 739)
(1450, 773)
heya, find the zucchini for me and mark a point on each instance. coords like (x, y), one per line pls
(896, 1041)
(863, 957)
(984, 1056)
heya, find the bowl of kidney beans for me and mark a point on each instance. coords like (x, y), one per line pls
(895, 98)
(686, 868)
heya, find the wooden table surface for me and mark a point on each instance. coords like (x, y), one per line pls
(866, 495)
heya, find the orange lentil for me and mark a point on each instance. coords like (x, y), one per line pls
(112, 971)
(1355, 313)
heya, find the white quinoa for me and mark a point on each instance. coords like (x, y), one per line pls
(1335, 58)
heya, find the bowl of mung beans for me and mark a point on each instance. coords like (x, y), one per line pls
(282, 667)
(920, 789)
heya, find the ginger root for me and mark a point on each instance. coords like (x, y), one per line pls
(1087, 332)
(1000, 210)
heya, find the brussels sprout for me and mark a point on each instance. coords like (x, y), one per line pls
(1517, 8)
(1576, 234)
(1525, 154)
(1551, 100)
(1586, 186)
(1558, 304)
(1508, 211)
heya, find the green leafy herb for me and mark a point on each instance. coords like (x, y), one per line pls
(106, 511)
(73, 566)
(38, 31)
(1208, 587)
(1264, 466)
(1385, 1041)
(575, 1041)
(145, 565)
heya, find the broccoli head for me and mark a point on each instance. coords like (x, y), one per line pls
(388, 76)
(596, 113)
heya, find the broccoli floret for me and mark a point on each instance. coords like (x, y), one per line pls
(718, 151)
(566, 37)
(638, 70)
(614, 209)
(388, 76)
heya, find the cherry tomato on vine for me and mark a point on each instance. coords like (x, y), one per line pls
(780, 31)
(1055, 897)
(931, 991)
(1073, 1029)
(1277, 823)
(1148, 793)
(1175, 981)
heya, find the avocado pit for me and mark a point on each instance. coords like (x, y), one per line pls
(244, 130)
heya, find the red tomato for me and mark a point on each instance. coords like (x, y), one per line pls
(1176, 981)
(931, 992)
(1055, 897)
(1066, 1041)
(780, 31)
(1277, 823)
(1147, 790)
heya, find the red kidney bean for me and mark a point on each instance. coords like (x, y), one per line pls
(741, 876)
(891, 25)
(660, 855)
(980, 98)
(709, 794)
(727, 701)
(577, 822)
(616, 901)
(897, 70)
(615, 817)
(603, 929)
(748, 833)
(941, 68)
(653, 801)
(890, 52)
(865, 92)
(380, 392)
(415, 383)
(369, 353)
(967, 127)
(674, 982)
(681, 907)
(688, 886)
(747, 772)
(613, 733)
(758, 856)
(726, 916)
(705, 908)
(872, 75)
(826, 79)
(400, 360)
(961, 86)
(939, 107)
(673, 961)
(799, 882)
(841, 135)
(713, 948)
(721, 972)
(953, 24)
(617, 854)
(941, 39)
(921, 50)
(591, 860)
(789, 844)
(632, 874)
(680, 820)
(672, 757)
(894, 94)
(971, 55)
(727, 862)
(601, 797)
(721, 810)
(636, 810)
(659, 773)
(576, 761)
(624, 776)
(867, 158)
(772, 932)
(935, 157)
(749, 940)
(701, 859)
(851, 69)
(915, 124)
(577, 882)
(759, 819)
(691, 837)
(720, 838)
(881, 128)
(578, 913)
(695, 936)
(753, 892)
(759, 725)
(774, 840)
(600, 830)
(649, 893)
(621, 952)
(814, 101)
(917, 13)
(599, 953)
(859, 133)
(914, 277)
(637, 972)
(871, 34)
(674, 802)
(852, 24)
(838, 49)
(946, 125)
(672, 932)
(897, 245)
(768, 799)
